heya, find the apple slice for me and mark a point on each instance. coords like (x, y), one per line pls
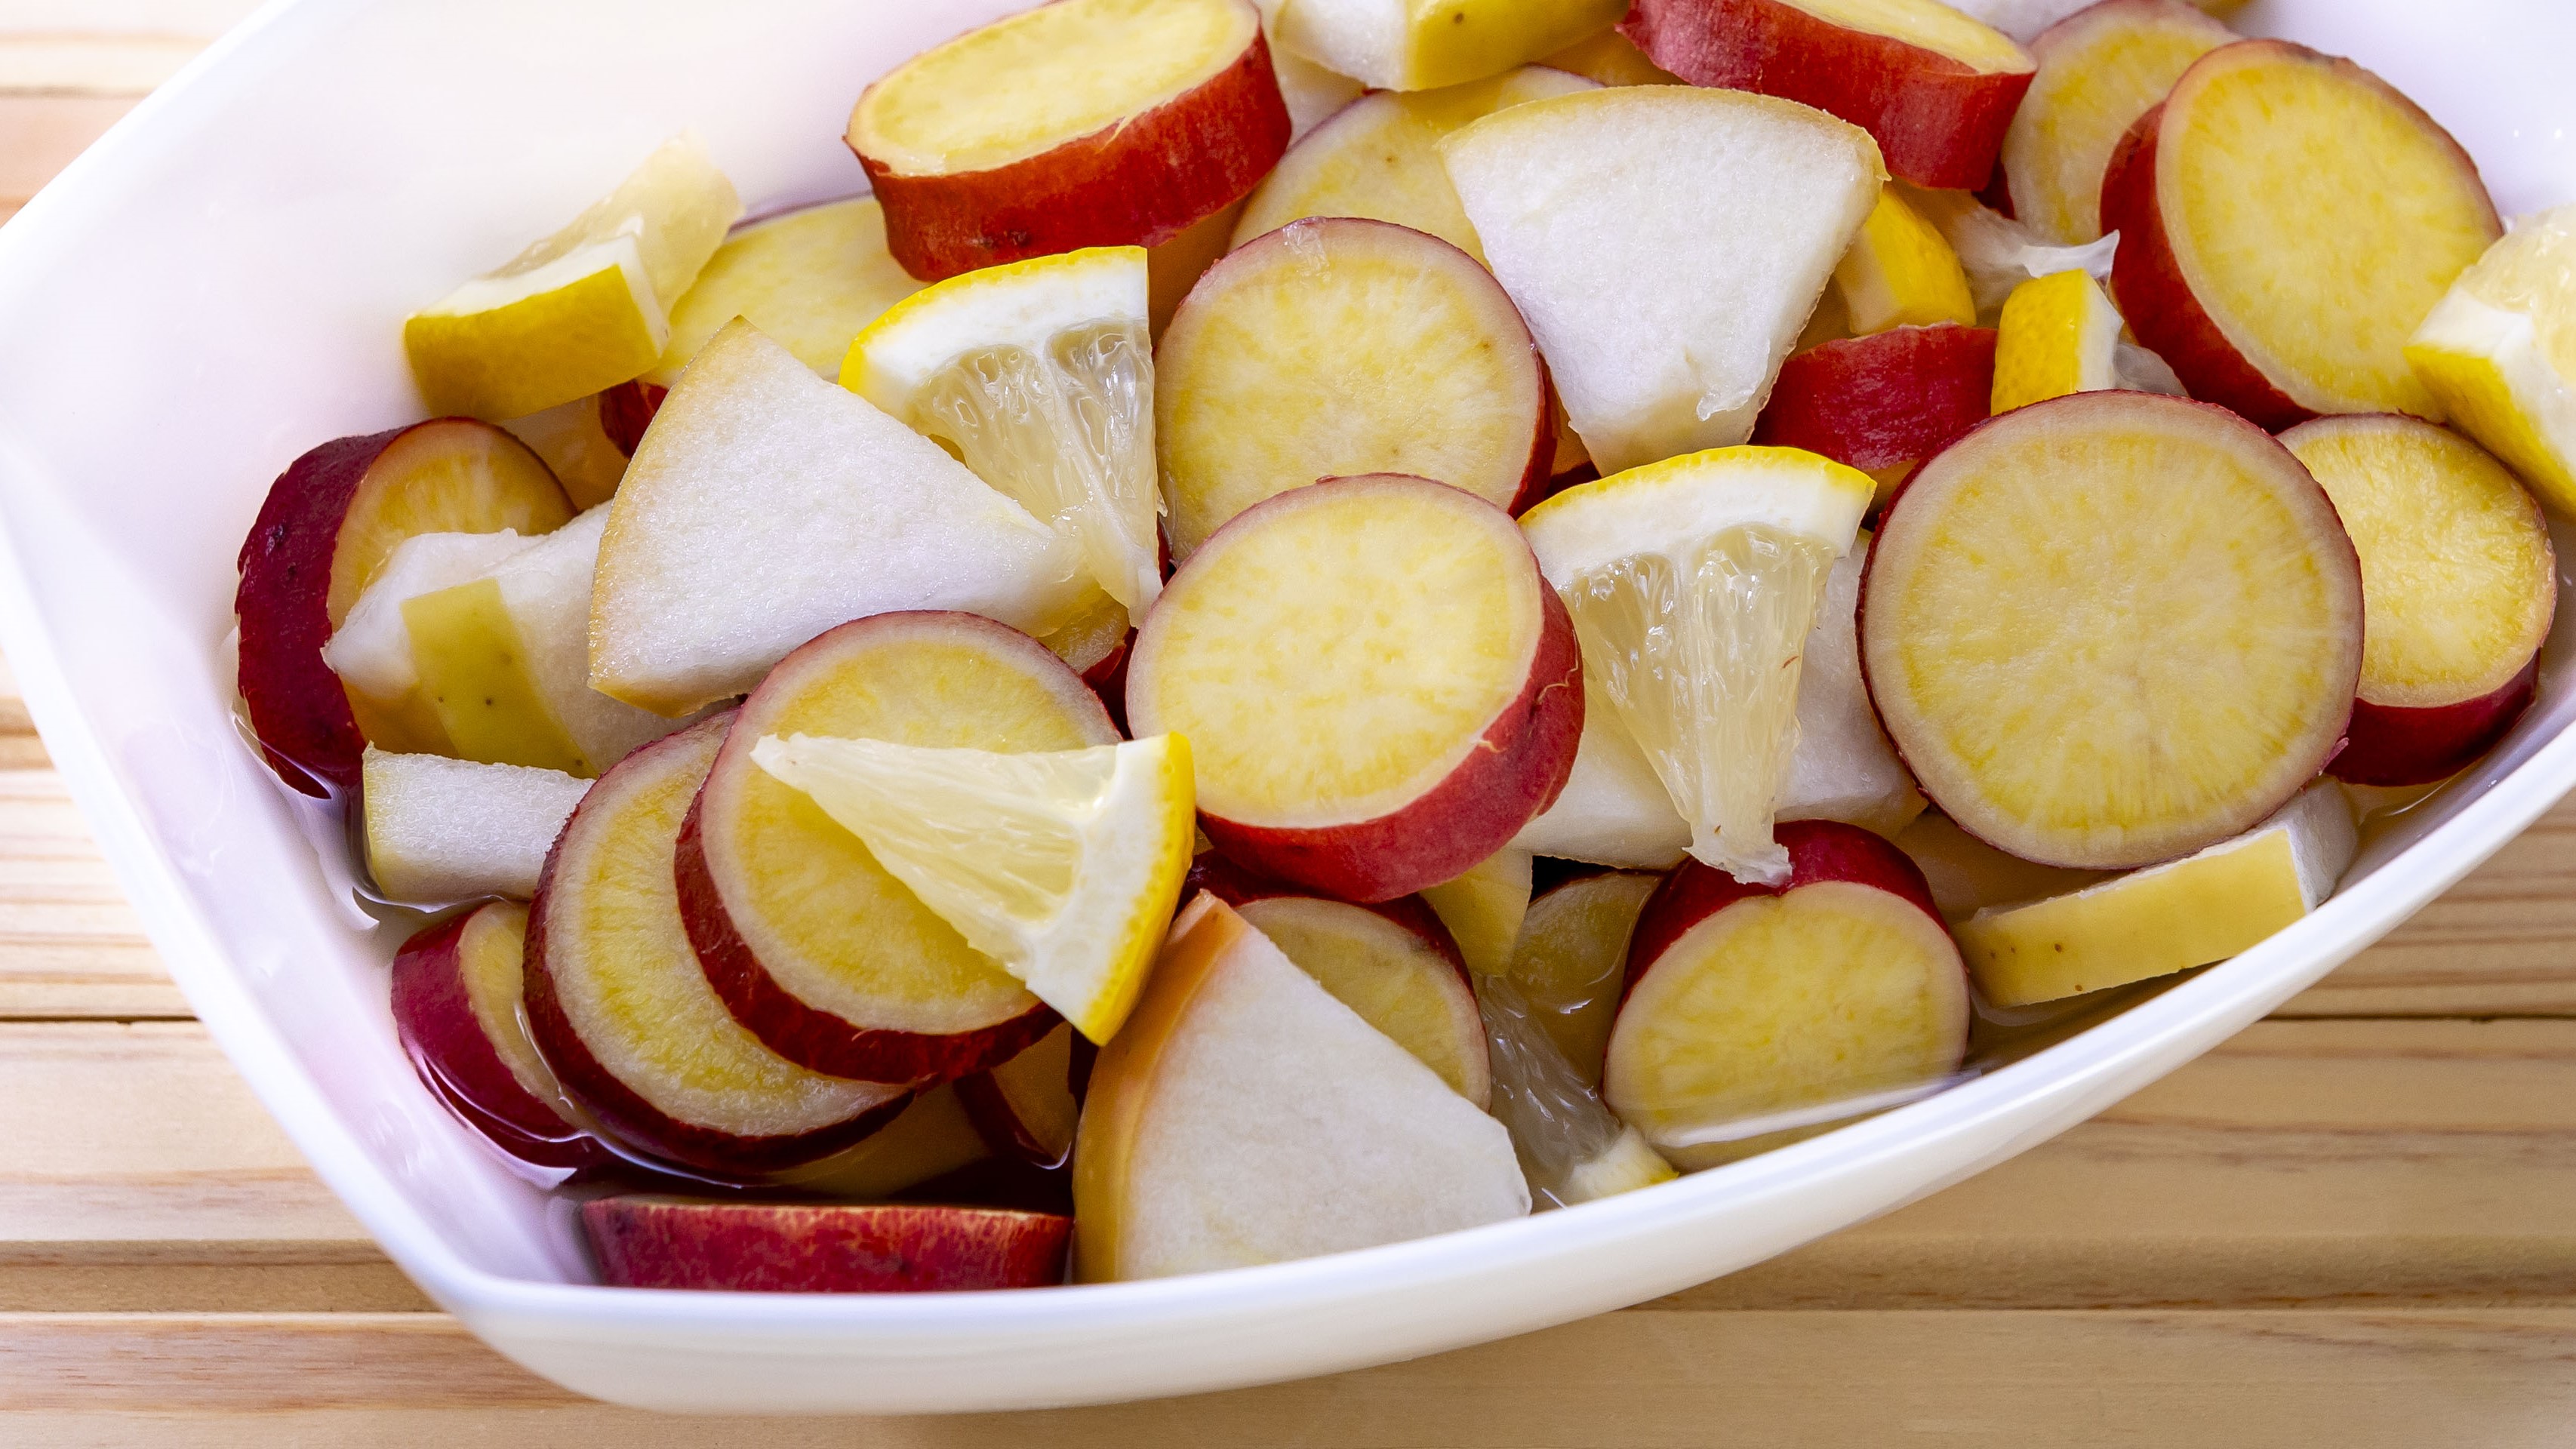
(1901, 272)
(578, 440)
(1843, 767)
(486, 638)
(585, 309)
(1756, 1014)
(1666, 245)
(1378, 688)
(1483, 907)
(1124, 121)
(2253, 204)
(325, 529)
(1335, 347)
(1936, 88)
(809, 278)
(1185, 1160)
(1379, 157)
(1967, 875)
(767, 505)
(438, 830)
(2500, 353)
(1040, 377)
(2058, 335)
(2099, 70)
(2205, 907)
(1572, 958)
(623, 1014)
(1394, 963)
(1614, 809)
(1025, 1107)
(1311, 91)
(932, 1138)
(2206, 689)
(643, 1241)
(817, 948)
(2458, 582)
(1694, 584)
(1885, 402)
(1402, 45)
(1608, 58)
(456, 1007)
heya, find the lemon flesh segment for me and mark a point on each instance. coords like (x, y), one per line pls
(1901, 272)
(2058, 335)
(586, 308)
(1041, 375)
(1693, 584)
(1064, 866)
(1571, 1147)
(2500, 353)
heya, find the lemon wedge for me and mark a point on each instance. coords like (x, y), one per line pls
(2499, 351)
(1041, 376)
(585, 309)
(1062, 865)
(1901, 272)
(2059, 334)
(1693, 584)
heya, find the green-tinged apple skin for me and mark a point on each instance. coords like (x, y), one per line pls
(1938, 122)
(618, 1108)
(1140, 182)
(455, 1057)
(788, 1247)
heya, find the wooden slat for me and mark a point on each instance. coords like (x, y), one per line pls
(2357, 1379)
(43, 133)
(2353, 1162)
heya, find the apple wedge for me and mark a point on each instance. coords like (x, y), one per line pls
(1335, 347)
(1885, 402)
(1936, 88)
(327, 526)
(1666, 245)
(1405, 45)
(487, 638)
(1755, 1014)
(579, 442)
(767, 505)
(1901, 272)
(642, 1241)
(456, 989)
(2099, 70)
(1124, 121)
(1572, 959)
(2205, 907)
(1393, 962)
(621, 1010)
(1245, 1117)
(1379, 157)
(2204, 691)
(1378, 688)
(2286, 219)
(1482, 907)
(438, 830)
(808, 278)
(1025, 1107)
(818, 949)
(1843, 767)
(2459, 585)
(1311, 91)
(1614, 809)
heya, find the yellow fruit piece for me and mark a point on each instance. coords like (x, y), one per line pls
(2457, 582)
(928, 1139)
(2388, 213)
(1572, 956)
(2058, 334)
(1483, 909)
(1693, 584)
(1611, 59)
(1929, 24)
(1900, 272)
(1388, 975)
(2499, 351)
(1414, 45)
(1041, 375)
(585, 309)
(1379, 158)
(2097, 75)
(475, 673)
(2154, 922)
(1063, 866)
(1073, 68)
(810, 278)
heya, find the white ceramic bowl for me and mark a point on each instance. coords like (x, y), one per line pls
(217, 286)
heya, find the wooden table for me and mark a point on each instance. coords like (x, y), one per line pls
(2354, 1225)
